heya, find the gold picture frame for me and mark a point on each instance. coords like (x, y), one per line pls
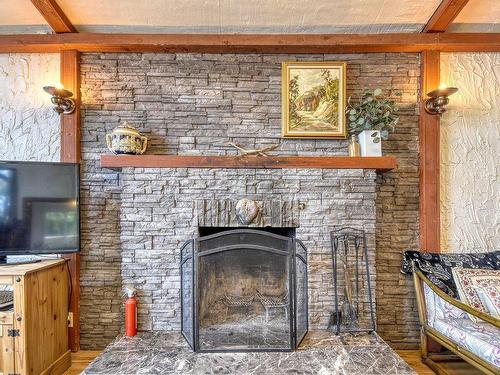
(313, 99)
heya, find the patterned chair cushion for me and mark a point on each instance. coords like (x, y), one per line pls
(468, 279)
(490, 297)
(438, 308)
(437, 267)
(482, 339)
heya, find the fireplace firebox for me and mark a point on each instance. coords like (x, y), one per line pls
(244, 290)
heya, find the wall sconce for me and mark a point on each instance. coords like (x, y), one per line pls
(61, 98)
(438, 99)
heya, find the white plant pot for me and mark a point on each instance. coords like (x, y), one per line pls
(368, 147)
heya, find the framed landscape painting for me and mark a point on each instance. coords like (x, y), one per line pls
(313, 100)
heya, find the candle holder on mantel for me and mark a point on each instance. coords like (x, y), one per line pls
(354, 306)
(354, 147)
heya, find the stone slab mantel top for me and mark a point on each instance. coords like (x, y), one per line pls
(381, 164)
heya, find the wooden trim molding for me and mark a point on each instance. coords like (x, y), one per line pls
(54, 16)
(444, 15)
(384, 163)
(252, 43)
(429, 157)
(70, 152)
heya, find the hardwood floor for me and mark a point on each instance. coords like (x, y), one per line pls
(412, 357)
(81, 359)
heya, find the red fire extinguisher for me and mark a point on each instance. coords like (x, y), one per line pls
(130, 312)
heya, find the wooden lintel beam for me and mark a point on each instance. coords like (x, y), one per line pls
(54, 16)
(70, 152)
(444, 15)
(246, 43)
(429, 157)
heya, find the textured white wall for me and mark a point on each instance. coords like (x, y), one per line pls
(470, 149)
(29, 128)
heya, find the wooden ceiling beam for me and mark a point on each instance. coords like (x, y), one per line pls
(54, 16)
(444, 15)
(252, 43)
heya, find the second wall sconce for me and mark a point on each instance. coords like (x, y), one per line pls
(62, 99)
(438, 100)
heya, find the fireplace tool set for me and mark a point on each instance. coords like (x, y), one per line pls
(354, 310)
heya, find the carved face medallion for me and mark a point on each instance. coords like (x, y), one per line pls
(246, 211)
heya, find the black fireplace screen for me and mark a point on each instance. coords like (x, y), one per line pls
(244, 290)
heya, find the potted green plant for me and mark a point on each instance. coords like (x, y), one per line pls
(371, 117)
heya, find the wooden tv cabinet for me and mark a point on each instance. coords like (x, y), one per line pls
(34, 333)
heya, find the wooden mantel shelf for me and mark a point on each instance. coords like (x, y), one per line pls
(381, 164)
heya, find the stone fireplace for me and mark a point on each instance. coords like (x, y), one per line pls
(135, 220)
(244, 290)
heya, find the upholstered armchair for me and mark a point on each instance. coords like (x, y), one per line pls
(469, 333)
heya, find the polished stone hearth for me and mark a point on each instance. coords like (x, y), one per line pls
(320, 353)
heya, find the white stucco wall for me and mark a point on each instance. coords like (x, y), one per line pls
(470, 153)
(29, 128)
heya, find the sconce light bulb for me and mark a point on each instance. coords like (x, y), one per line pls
(59, 86)
(443, 86)
(61, 98)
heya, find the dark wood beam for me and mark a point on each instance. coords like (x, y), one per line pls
(70, 123)
(429, 164)
(246, 43)
(70, 152)
(429, 157)
(444, 15)
(382, 164)
(54, 16)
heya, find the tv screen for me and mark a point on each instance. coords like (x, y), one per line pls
(39, 208)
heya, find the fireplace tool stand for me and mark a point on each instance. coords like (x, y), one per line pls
(354, 310)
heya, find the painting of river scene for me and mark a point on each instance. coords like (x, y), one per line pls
(314, 99)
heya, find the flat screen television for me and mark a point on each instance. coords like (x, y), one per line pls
(39, 208)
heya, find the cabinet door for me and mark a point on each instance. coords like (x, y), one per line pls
(6, 350)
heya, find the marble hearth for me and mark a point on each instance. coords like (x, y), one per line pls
(320, 353)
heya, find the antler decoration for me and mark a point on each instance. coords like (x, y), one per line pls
(259, 152)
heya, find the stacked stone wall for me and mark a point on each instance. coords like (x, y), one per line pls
(134, 220)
